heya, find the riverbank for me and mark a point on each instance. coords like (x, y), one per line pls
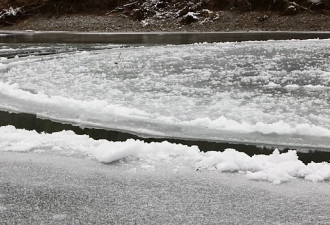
(225, 21)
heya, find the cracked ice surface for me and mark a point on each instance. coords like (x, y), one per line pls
(274, 92)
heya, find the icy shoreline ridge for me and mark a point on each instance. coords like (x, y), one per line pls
(272, 92)
(275, 168)
(102, 108)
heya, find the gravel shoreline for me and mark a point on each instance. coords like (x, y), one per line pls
(227, 21)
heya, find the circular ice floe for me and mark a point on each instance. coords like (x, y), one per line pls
(223, 91)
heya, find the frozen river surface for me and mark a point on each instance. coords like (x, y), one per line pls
(274, 92)
(61, 190)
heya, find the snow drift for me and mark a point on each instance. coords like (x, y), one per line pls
(275, 168)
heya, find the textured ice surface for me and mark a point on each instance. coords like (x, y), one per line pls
(268, 92)
(23, 50)
(43, 189)
(275, 168)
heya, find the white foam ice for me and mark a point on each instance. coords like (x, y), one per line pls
(275, 168)
(271, 92)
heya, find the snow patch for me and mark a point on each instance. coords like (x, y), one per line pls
(10, 12)
(291, 87)
(276, 168)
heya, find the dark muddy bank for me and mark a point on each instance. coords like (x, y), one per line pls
(165, 15)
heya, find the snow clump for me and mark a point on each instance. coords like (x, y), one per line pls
(276, 168)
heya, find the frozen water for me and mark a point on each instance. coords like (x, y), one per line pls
(268, 92)
(274, 92)
(47, 189)
(23, 50)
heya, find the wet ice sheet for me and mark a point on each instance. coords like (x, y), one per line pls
(269, 92)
